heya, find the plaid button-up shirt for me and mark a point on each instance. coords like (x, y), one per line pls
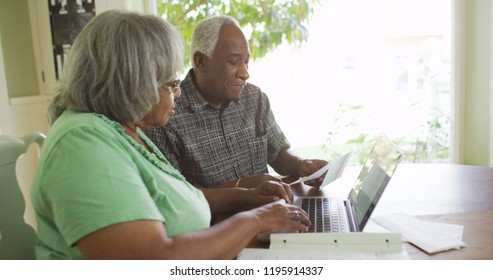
(213, 146)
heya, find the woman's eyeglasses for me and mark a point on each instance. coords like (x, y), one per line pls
(174, 85)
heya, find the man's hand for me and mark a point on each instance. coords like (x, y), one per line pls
(310, 166)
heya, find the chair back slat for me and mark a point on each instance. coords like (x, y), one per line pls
(17, 238)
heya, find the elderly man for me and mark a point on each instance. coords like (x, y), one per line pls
(223, 133)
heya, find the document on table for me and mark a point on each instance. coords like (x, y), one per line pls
(329, 246)
(334, 170)
(432, 237)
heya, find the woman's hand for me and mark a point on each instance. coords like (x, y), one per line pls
(276, 216)
(270, 191)
(256, 180)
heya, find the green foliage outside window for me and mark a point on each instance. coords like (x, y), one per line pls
(267, 23)
(430, 144)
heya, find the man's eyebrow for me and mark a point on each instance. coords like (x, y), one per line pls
(238, 55)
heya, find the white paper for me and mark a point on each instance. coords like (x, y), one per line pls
(330, 246)
(432, 237)
(334, 170)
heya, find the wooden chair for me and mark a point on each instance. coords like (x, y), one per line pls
(17, 238)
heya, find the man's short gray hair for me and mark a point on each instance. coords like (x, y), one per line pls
(117, 64)
(206, 34)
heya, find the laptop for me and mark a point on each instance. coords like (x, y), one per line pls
(352, 213)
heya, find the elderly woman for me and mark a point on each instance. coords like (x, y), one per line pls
(103, 190)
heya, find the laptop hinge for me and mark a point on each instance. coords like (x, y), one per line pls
(350, 214)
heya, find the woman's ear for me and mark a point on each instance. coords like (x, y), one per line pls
(201, 61)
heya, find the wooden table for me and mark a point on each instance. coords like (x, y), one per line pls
(456, 194)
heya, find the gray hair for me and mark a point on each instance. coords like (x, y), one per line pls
(206, 34)
(116, 65)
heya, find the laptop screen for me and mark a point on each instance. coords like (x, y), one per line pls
(373, 178)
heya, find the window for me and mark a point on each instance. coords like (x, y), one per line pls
(368, 66)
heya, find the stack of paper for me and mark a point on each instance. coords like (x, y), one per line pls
(431, 237)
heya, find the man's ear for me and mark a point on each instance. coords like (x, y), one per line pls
(201, 61)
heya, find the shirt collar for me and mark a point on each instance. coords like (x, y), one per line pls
(196, 101)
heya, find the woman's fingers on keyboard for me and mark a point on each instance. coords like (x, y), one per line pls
(299, 215)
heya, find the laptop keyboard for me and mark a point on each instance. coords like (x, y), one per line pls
(325, 214)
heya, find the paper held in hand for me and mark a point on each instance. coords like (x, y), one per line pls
(333, 170)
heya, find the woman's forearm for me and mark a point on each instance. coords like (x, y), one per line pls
(224, 240)
(147, 239)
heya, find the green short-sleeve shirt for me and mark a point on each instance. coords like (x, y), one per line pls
(91, 175)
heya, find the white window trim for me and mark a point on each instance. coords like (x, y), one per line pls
(458, 80)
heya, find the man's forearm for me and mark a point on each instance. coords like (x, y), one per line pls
(287, 163)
